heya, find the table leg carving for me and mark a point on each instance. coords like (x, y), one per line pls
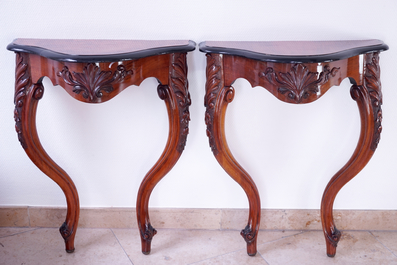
(177, 100)
(27, 95)
(369, 99)
(218, 96)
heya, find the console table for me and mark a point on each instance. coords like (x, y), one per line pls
(95, 71)
(295, 72)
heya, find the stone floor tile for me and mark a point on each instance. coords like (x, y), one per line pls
(194, 247)
(355, 247)
(265, 236)
(10, 231)
(387, 238)
(174, 246)
(46, 246)
(234, 258)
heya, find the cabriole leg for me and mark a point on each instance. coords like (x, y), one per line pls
(217, 98)
(177, 100)
(369, 99)
(27, 96)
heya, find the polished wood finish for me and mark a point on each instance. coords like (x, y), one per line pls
(218, 96)
(297, 83)
(93, 51)
(96, 82)
(294, 51)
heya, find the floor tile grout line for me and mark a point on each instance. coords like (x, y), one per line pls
(220, 230)
(30, 230)
(370, 232)
(121, 246)
(299, 233)
(275, 240)
(237, 250)
(263, 258)
(224, 254)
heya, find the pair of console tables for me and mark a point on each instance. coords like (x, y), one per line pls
(95, 71)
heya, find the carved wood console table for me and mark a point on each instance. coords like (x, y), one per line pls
(295, 72)
(95, 71)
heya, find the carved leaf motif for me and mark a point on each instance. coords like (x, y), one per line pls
(23, 87)
(22, 83)
(21, 80)
(92, 81)
(373, 84)
(212, 86)
(372, 73)
(213, 81)
(179, 79)
(299, 82)
(179, 85)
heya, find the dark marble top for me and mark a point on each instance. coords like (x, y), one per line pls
(294, 51)
(76, 50)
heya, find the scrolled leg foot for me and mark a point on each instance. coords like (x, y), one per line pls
(177, 100)
(68, 236)
(146, 238)
(217, 98)
(332, 242)
(249, 237)
(369, 99)
(27, 96)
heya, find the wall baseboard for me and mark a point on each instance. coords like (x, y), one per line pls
(234, 219)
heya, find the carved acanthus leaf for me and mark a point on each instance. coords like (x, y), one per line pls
(93, 81)
(179, 85)
(373, 85)
(213, 86)
(299, 82)
(22, 83)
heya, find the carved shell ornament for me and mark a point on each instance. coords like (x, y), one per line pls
(299, 82)
(93, 81)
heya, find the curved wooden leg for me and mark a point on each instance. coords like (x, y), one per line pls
(27, 96)
(369, 99)
(177, 100)
(217, 98)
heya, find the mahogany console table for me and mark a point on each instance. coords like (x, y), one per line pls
(95, 71)
(295, 72)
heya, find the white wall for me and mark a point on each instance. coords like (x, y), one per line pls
(291, 151)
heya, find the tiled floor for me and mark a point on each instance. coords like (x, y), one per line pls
(173, 246)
